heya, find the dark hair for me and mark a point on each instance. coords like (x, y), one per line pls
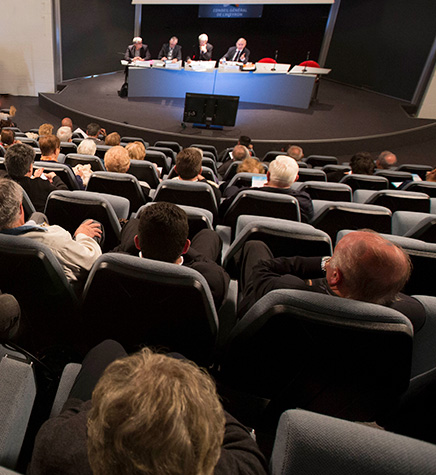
(7, 137)
(188, 163)
(162, 232)
(363, 163)
(48, 144)
(245, 140)
(93, 129)
(18, 159)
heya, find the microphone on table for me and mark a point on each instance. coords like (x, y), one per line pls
(307, 59)
(275, 59)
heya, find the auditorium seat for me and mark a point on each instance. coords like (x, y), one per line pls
(161, 304)
(119, 184)
(170, 153)
(69, 209)
(415, 225)
(395, 200)
(271, 155)
(284, 238)
(32, 142)
(77, 140)
(319, 352)
(135, 139)
(320, 160)
(420, 170)
(334, 168)
(160, 159)
(2, 151)
(74, 159)
(27, 205)
(144, 170)
(206, 148)
(319, 190)
(310, 443)
(206, 172)
(359, 181)
(101, 150)
(428, 187)
(68, 147)
(209, 163)
(311, 174)
(63, 171)
(231, 171)
(244, 179)
(332, 216)
(207, 154)
(175, 146)
(394, 177)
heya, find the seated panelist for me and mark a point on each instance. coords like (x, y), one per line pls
(171, 51)
(137, 51)
(202, 51)
(239, 53)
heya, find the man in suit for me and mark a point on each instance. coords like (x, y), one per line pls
(202, 51)
(239, 53)
(171, 51)
(137, 51)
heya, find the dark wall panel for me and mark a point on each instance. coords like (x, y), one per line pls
(382, 45)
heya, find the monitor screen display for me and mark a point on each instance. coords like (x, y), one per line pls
(210, 109)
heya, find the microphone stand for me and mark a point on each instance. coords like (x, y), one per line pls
(275, 59)
(307, 59)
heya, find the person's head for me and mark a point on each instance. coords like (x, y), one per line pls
(367, 267)
(282, 172)
(45, 129)
(362, 163)
(117, 159)
(203, 39)
(386, 160)
(250, 165)
(295, 151)
(49, 146)
(7, 137)
(137, 41)
(241, 44)
(11, 197)
(431, 175)
(67, 122)
(154, 414)
(240, 152)
(136, 150)
(93, 129)
(87, 147)
(188, 163)
(10, 313)
(19, 160)
(64, 133)
(173, 41)
(245, 141)
(113, 139)
(163, 232)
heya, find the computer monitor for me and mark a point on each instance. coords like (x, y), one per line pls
(210, 110)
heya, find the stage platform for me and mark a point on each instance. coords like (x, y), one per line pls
(343, 121)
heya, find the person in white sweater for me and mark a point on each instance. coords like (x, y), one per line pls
(75, 253)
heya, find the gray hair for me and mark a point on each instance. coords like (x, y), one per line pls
(240, 152)
(137, 39)
(11, 197)
(64, 133)
(283, 170)
(203, 37)
(383, 161)
(295, 151)
(87, 147)
(18, 160)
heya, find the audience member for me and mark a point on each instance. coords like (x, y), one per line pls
(250, 165)
(45, 129)
(113, 139)
(431, 176)
(136, 150)
(188, 167)
(7, 138)
(161, 233)
(363, 163)
(64, 134)
(117, 159)
(67, 122)
(295, 152)
(76, 255)
(144, 413)
(364, 266)
(244, 140)
(93, 131)
(282, 173)
(386, 160)
(19, 166)
(87, 147)
(50, 147)
(239, 153)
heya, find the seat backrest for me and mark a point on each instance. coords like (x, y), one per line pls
(155, 304)
(399, 200)
(320, 352)
(63, 171)
(311, 174)
(307, 442)
(170, 153)
(144, 170)
(420, 170)
(200, 195)
(334, 168)
(210, 163)
(428, 187)
(321, 160)
(365, 182)
(69, 209)
(135, 139)
(175, 146)
(27, 205)
(119, 184)
(394, 177)
(207, 148)
(271, 155)
(332, 216)
(231, 171)
(262, 203)
(284, 238)
(160, 159)
(30, 272)
(101, 150)
(319, 190)
(74, 159)
(68, 147)
(2, 151)
(17, 395)
(244, 179)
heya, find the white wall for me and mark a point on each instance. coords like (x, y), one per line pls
(26, 47)
(428, 106)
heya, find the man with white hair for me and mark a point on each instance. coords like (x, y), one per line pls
(137, 51)
(282, 173)
(202, 51)
(64, 134)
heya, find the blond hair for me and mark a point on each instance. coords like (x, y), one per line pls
(251, 165)
(157, 415)
(113, 139)
(116, 159)
(136, 150)
(45, 129)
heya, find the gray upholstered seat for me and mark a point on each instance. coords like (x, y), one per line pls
(395, 200)
(415, 225)
(320, 190)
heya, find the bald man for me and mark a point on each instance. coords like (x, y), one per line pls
(364, 266)
(386, 160)
(239, 53)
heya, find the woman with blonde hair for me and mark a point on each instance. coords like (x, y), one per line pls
(136, 150)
